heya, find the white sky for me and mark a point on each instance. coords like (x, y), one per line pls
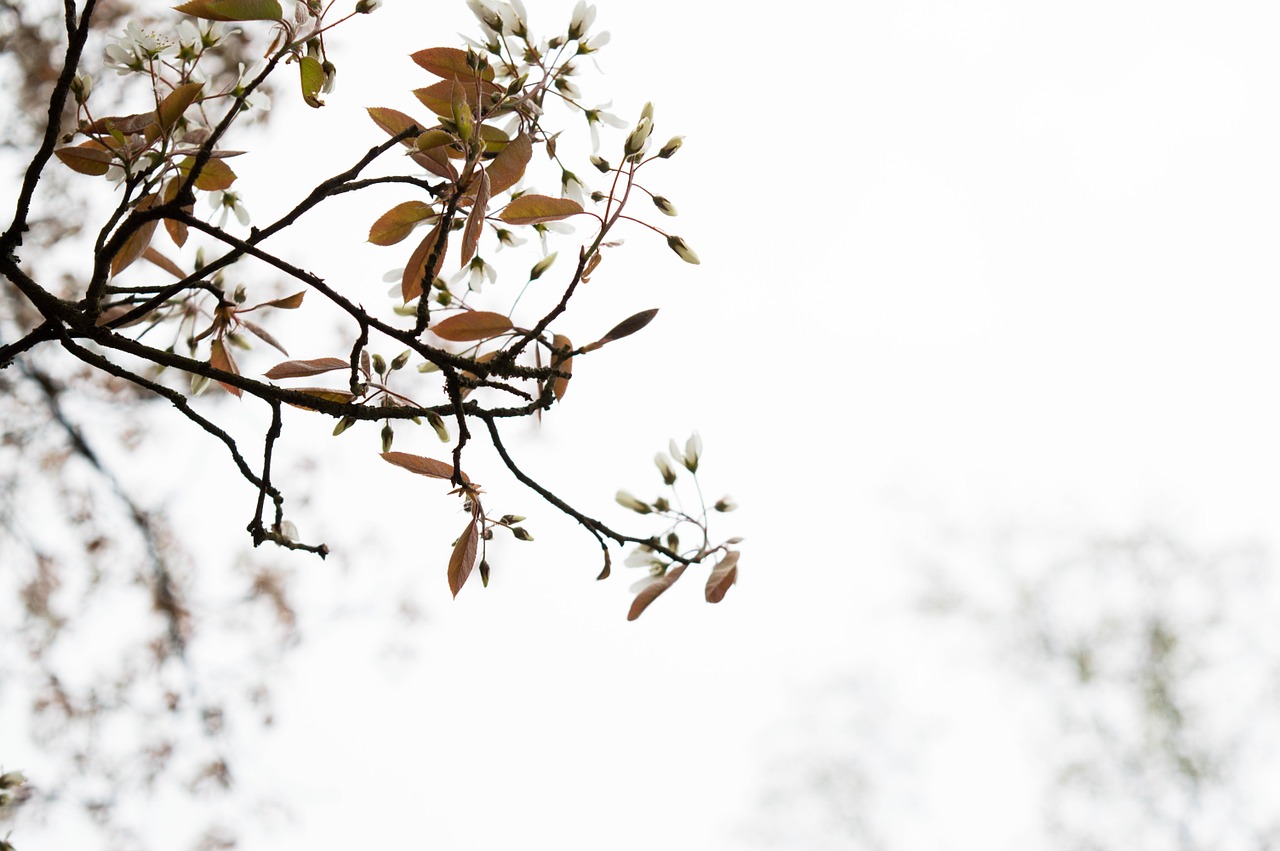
(962, 264)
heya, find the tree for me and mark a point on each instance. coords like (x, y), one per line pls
(451, 353)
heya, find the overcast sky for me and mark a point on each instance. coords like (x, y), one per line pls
(964, 264)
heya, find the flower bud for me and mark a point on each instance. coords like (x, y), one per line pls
(12, 779)
(681, 248)
(400, 360)
(343, 424)
(364, 7)
(664, 467)
(379, 364)
(667, 208)
(388, 436)
(601, 163)
(725, 504)
(638, 138)
(542, 266)
(671, 147)
(521, 534)
(626, 500)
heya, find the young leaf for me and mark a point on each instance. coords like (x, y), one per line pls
(263, 335)
(340, 397)
(214, 175)
(138, 241)
(448, 62)
(289, 302)
(176, 103)
(463, 557)
(233, 10)
(393, 121)
(311, 74)
(559, 385)
(422, 465)
(416, 272)
(163, 262)
(88, 158)
(508, 166)
(471, 325)
(625, 328)
(398, 222)
(535, 209)
(439, 97)
(475, 220)
(304, 368)
(653, 590)
(723, 576)
(177, 230)
(220, 358)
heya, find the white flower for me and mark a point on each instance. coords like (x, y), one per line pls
(135, 48)
(571, 187)
(508, 239)
(628, 500)
(544, 228)
(591, 45)
(583, 17)
(228, 202)
(596, 116)
(645, 558)
(476, 272)
(257, 99)
(664, 467)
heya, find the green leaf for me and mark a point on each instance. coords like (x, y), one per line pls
(398, 222)
(311, 73)
(535, 209)
(448, 62)
(233, 10)
(471, 326)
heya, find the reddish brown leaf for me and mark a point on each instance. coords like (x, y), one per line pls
(304, 368)
(439, 97)
(394, 122)
(415, 271)
(289, 302)
(508, 166)
(328, 395)
(448, 62)
(421, 465)
(177, 230)
(164, 263)
(723, 576)
(625, 328)
(138, 241)
(264, 336)
(653, 590)
(534, 209)
(463, 557)
(177, 102)
(214, 175)
(398, 222)
(126, 124)
(475, 220)
(220, 358)
(559, 385)
(88, 158)
(471, 325)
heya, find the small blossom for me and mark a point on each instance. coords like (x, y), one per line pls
(627, 500)
(257, 99)
(476, 272)
(135, 49)
(584, 16)
(489, 17)
(567, 88)
(571, 187)
(507, 239)
(228, 202)
(682, 249)
(597, 116)
(591, 45)
(693, 451)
